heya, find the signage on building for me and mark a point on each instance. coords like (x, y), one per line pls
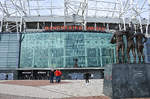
(6, 76)
(26, 72)
(10, 76)
(41, 72)
(2, 76)
(88, 28)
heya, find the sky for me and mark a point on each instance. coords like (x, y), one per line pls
(42, 7)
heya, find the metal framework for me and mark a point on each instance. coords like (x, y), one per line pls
(78, 11)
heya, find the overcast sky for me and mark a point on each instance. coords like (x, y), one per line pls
(58, 7)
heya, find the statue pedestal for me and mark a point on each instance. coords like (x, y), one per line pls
(127, 80)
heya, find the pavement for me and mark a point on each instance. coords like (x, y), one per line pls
(67, 89)
(42, 89)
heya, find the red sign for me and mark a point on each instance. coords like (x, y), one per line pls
(88, 28)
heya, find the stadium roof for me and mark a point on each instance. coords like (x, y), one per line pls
(94, 8)
(83, 11)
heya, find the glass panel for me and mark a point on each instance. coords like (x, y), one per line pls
(27, 59)
(3, 64)
(59, 49)
(3, 54)
(3, 48)
(147, 51)
(92, 61)
(9, 50)
(4, 37)
(3, 59)
(12, 64)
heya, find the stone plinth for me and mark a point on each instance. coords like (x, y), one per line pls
(127, 80)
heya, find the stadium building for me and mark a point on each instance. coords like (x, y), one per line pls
(73, 36)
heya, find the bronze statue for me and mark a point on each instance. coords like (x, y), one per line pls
(120, 45)
(140, 45)
(130, 43)
(76, 63)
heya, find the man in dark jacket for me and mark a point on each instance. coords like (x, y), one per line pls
(51, 76)
(87, 77)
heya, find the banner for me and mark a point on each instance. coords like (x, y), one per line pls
(6, 76)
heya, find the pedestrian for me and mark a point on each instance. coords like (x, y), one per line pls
(6, 77)
(87, 77)
(58, 75)
(51, 76)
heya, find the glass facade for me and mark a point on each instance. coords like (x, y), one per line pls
(147, 51)
(60, 49)
(9, 50)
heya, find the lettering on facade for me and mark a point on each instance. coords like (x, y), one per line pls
(41, 72)
(88, 28)
(26, 72)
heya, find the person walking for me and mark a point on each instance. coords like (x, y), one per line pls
(87, 77)
(51, 76)
(58, 76)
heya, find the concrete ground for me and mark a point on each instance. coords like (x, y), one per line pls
(42, 89)
(37, 89)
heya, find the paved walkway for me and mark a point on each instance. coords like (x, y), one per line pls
(75, 88)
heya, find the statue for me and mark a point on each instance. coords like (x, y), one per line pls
(76, 63)
(120, 45)
(140, 45)
(130, 43)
